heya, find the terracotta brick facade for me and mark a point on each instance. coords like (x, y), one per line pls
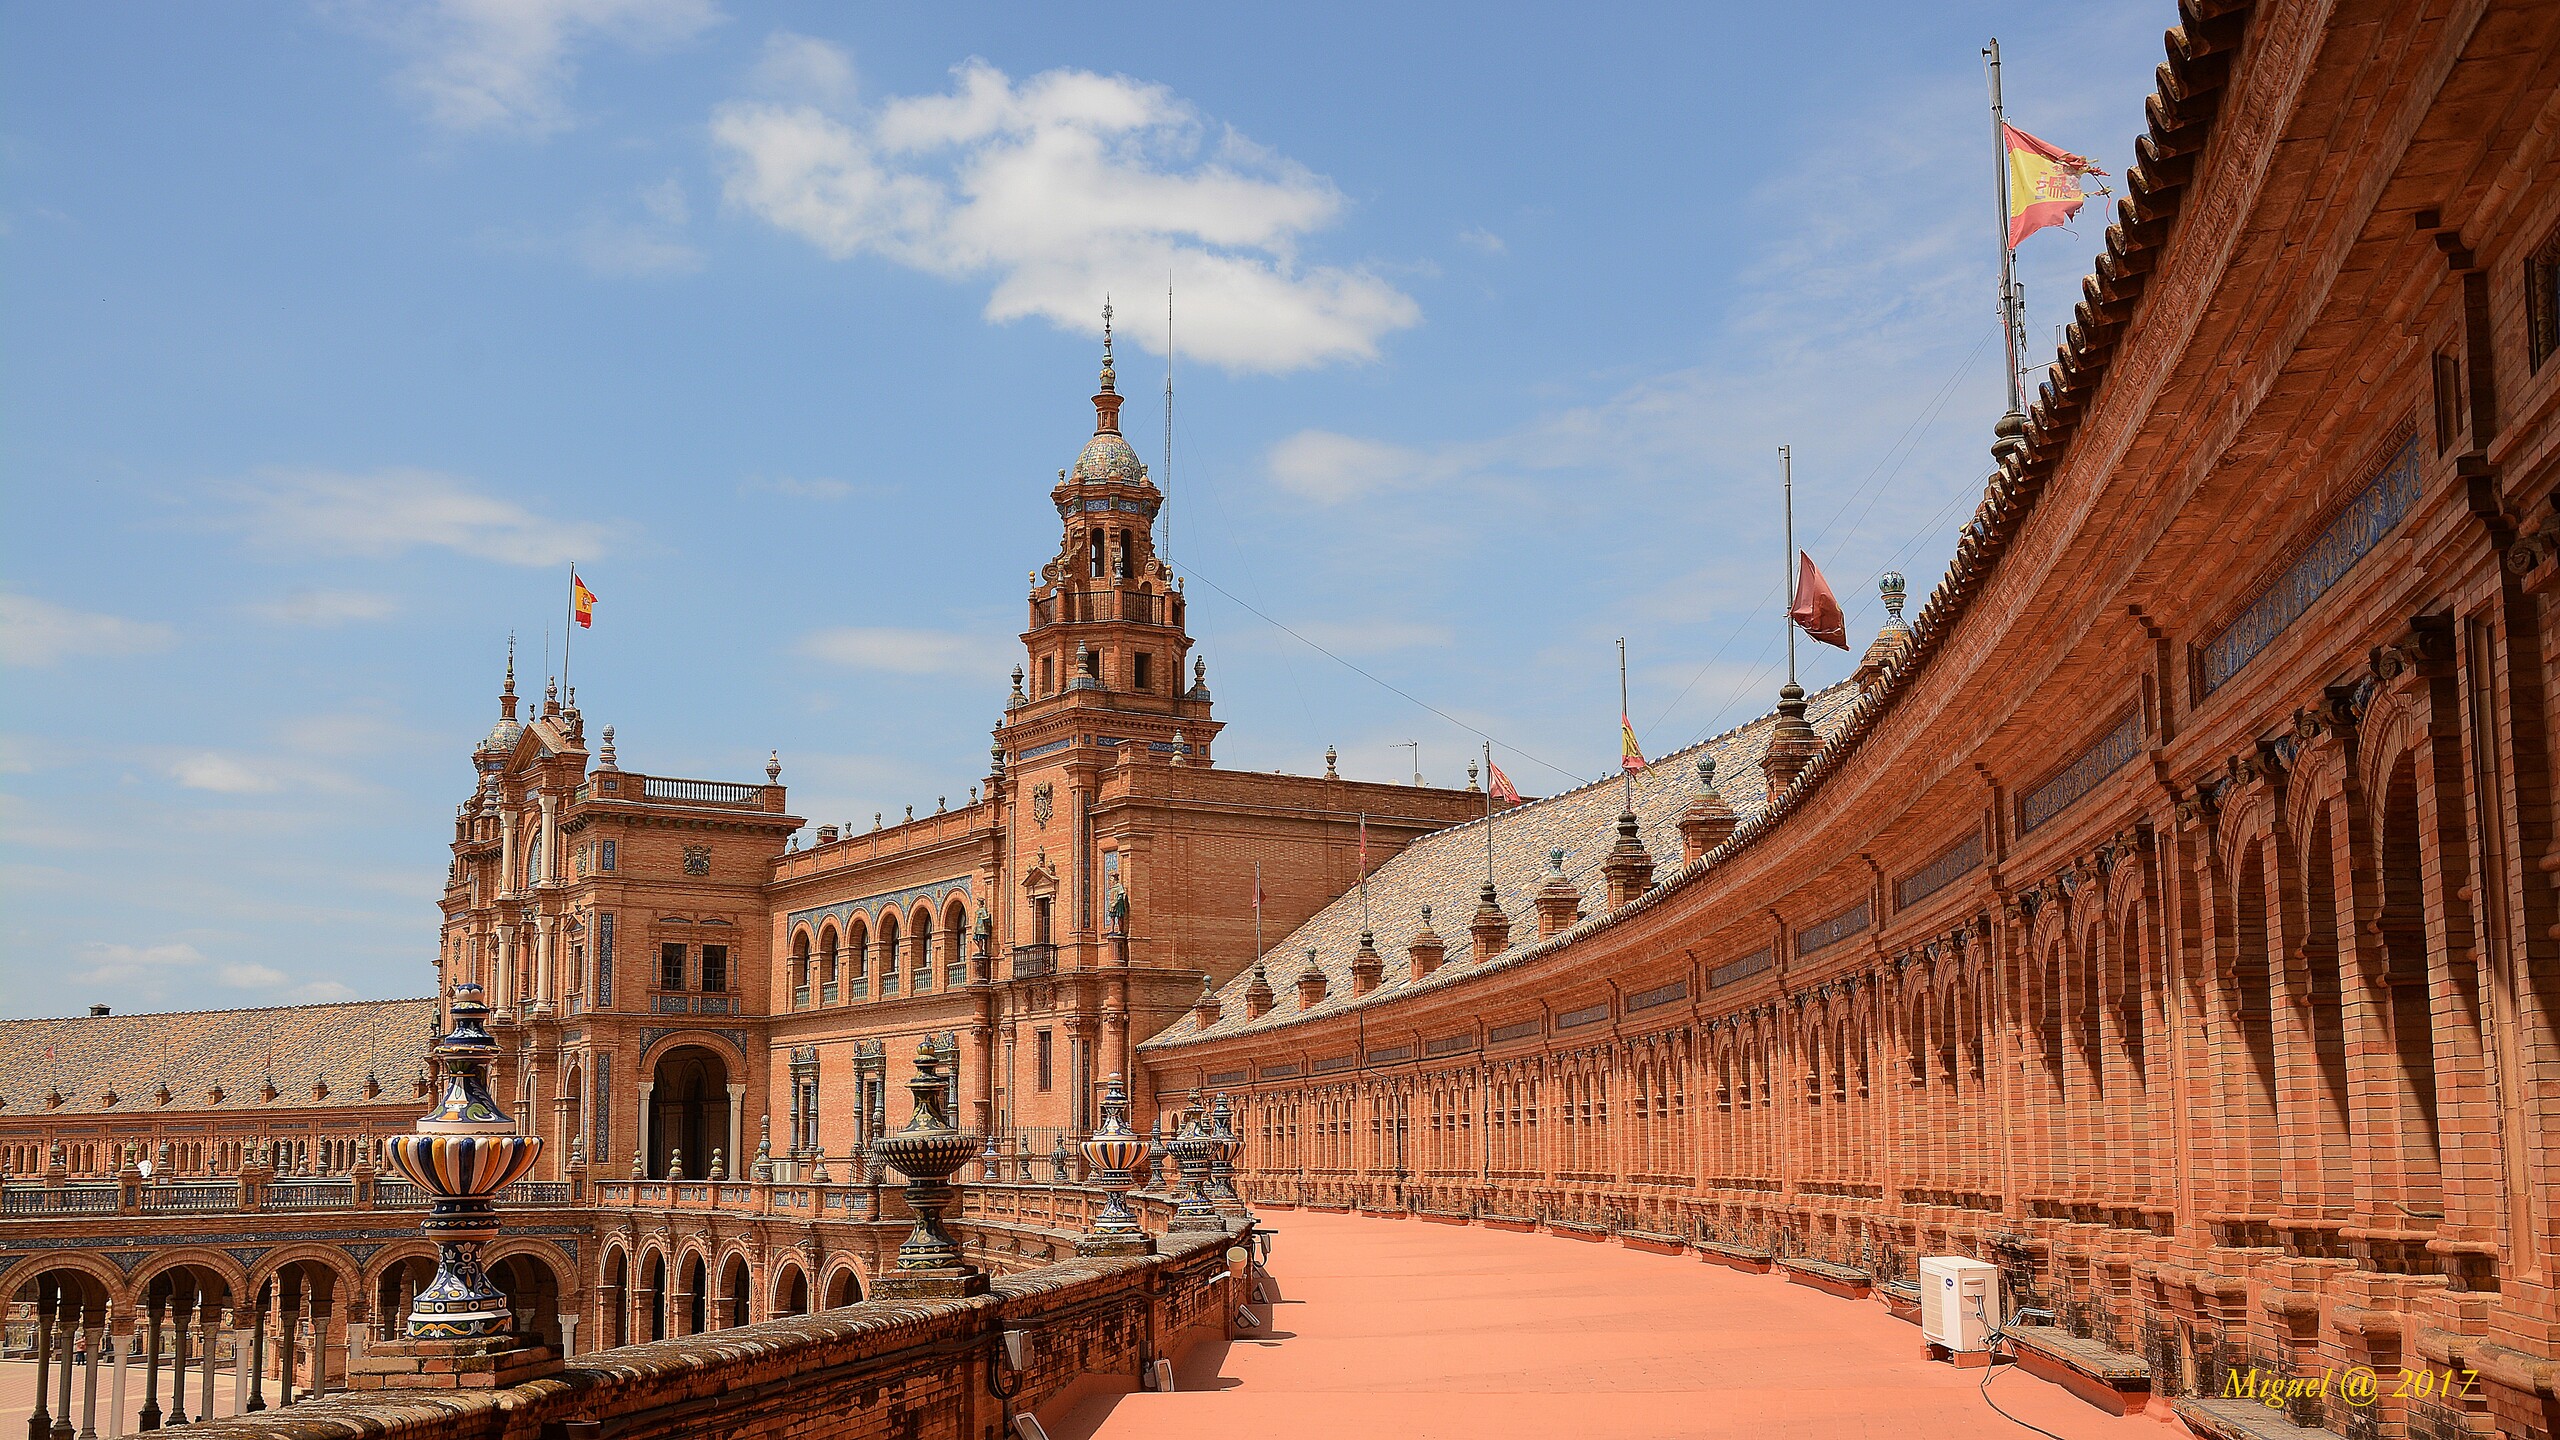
(2172, 919)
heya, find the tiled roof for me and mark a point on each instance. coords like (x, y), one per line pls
(1445, 871)
(85, 1058)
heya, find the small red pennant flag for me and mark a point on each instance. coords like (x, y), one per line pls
(1817, 609)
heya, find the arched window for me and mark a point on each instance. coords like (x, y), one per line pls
(1093, 544)
(921, 974)
(857, 962)
(800, 970)
(888, 954)
(828, 960)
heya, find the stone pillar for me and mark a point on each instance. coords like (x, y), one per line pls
(641, 1130)
(257, 1377)
(179, 1303)
(150, 1416)
(545, 931)
(243, 1356)
(123, 1341)
(66, 1334)
(94, 1331)
(204, 1390)
(319, 1343)
(568, 1335)
(40, 1419)
(737, 1118)
(289, 1336)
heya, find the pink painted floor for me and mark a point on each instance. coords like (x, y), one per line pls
(1412, 1330)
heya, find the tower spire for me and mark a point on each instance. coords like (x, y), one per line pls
(507, 696)
(1106, 401)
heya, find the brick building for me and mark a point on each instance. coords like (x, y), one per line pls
(2166, 912)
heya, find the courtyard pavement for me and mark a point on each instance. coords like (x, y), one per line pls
(1414, 1330)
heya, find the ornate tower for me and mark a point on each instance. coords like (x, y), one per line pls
(1107, 651)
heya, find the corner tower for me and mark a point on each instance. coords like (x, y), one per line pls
(1107, 661)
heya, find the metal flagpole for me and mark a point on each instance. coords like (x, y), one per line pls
(1624, 774)
(2009, 317)
(1364, 870)
(1488, 812)
(1164, 506)
(1257, 909)
(1787, 482)
(565, 632)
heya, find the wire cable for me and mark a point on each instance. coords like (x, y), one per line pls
(1195, 573)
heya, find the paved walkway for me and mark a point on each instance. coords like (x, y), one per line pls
(1412, 1330)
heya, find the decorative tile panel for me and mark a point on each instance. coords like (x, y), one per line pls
(2375, 512)
(1658, 995)
(1587, 1015)
(1952, 864)
(1824, 934)
(1520, 1030)
(2111, 752)
(1742, 969)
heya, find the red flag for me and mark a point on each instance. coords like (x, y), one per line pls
(1630, 754)
(1817, 609)
(1500, 786)
(1257, 889)
(1364, 843)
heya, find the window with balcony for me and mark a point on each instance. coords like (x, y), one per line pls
(715, 967)
(671, 966)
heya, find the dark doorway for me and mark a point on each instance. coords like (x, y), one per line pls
(690, 1105)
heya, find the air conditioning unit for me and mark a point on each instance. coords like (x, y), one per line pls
(1959, 1302)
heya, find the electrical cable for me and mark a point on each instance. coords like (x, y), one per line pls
(1194, 573)
(1999, 1336)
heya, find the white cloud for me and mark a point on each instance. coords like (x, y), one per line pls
(1479, 238)
(102, 963)
(322, 992)
(1329, 468)
(221, 774)
(904, 652)
(38, 632)
(243, 976)
(316, 608)
(388, 512)
(1059, 190)
(801, 68)
(507, 65)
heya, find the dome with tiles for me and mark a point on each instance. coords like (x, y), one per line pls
(502, 736)
(1107, 457)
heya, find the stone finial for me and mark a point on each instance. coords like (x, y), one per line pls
(1366, 967)
(1892, 637)
(719, 1169)
(1490, 928)
(1792, 742)
(577, 1152)
(1472, 785)
(911, 816)
(1330, 773)
(1629, 866)
(1017, 697)
(1707, 820)
(1205, 1010)
(773, 768)
(995, 759)
(675, 1164)
(941, 804)
(1258, 998)
(761, 1168)
(1311, 983)
(606, 761)
(1181, 747)
(1559, 901)
(1423, 955)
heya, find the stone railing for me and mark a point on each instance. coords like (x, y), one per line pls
(253, 1193)
(929, 1369)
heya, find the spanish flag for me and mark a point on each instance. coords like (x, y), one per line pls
(2044, 183)
(1631, 755)
(582, 602)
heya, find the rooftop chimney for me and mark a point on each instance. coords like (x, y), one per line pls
(97, 1009)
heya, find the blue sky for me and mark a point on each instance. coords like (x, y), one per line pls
(331, 333)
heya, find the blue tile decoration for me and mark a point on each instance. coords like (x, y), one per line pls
(2375, 512)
